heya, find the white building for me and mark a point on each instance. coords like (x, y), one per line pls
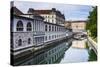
(38, 28)
(54, 32)
(26, 32)
(29, 30)
(52, 16)
(53, 20)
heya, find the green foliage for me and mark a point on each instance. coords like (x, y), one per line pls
(92, 22)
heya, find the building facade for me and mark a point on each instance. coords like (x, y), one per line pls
(54, 32)
(26, 32)
(52, 16)
(76, 26)
(29, 31)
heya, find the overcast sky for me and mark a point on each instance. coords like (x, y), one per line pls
(71, 12)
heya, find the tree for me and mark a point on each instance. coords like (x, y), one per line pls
(92, 22)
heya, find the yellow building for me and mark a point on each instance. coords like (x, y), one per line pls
(76, 26)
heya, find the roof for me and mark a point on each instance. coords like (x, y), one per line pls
(17, 16)
(43, 11)
(23, 17)
(35, 15)
(76, 21)
(16, 11)
(53, 24)
(53, 10)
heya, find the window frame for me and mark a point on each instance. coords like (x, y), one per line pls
(19, 26)
(29, 26)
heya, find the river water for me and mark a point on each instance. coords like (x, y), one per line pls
(76, 53)
(69, 51)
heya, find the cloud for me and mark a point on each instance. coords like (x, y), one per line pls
(70, 11)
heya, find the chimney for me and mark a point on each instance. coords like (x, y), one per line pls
(53, 9)
(30, 11)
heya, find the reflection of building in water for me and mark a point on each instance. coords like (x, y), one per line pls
(49, 56)
(79, 44)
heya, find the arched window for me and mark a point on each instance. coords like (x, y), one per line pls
(29, 40)
(29, 27)
(19, 26)
(19, 42)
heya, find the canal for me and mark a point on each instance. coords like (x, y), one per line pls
(78, 52)
(68, 51)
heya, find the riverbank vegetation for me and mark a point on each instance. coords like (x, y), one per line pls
(92, 56)
(92, 24)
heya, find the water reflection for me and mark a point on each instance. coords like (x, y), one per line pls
(65, 52)
(50, 56)
(79, 44)
(78, 52)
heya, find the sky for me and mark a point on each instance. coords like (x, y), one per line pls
(71, 12)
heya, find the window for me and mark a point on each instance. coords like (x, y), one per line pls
(52, 20)
(49, 37)
(45, 27)
(76, 26)
(49, 28)
(29, 40)
(19, 26)
(52, 36)
(52, 16)
(59, 28)
(48, 21)
(52, 28)
(48, 16)
(55, 28)
(55, 36)
(29, 27)
(19, 42)
(45, 37)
